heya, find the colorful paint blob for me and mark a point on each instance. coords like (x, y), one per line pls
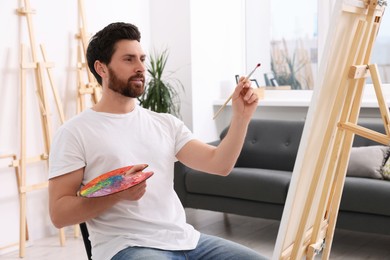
(114, 181)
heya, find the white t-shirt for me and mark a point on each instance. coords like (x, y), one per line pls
(102, 142)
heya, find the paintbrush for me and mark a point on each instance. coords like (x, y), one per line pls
(231, 96)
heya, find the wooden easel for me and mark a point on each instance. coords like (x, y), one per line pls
(41, 92)
(13, 157)
(313, 201)
(91, 87)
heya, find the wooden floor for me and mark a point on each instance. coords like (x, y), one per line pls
(259, 234)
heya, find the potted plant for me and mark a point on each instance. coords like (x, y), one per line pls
(161, 91)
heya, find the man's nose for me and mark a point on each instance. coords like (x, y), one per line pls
(140, 66)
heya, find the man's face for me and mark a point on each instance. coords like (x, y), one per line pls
(127, 69)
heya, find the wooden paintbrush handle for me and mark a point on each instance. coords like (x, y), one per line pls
(223, 106)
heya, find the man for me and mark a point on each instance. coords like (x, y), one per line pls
(145, 221)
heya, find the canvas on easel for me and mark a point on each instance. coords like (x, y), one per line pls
(313, 200)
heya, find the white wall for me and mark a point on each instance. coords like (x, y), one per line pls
(218, 53)
(208, 42)
(258, 35)
(170, 28)
(55, 24)
(222, 32)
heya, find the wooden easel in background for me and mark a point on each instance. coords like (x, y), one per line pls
(91, 86)
(41, 93)
(313, 201)
(13, 158)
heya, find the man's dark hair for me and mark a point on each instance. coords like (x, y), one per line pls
(102, 45)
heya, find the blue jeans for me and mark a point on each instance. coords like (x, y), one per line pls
(208, 248)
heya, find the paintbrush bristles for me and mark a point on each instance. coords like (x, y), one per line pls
(231, 96)
(253, 71)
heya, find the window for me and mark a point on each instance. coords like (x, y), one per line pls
(296, 40)
(381, 51)
(293, 44)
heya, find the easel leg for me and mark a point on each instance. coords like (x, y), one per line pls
(62, 236)
(22, 178)
(76, 231)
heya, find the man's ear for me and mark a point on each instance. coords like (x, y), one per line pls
(100, 68)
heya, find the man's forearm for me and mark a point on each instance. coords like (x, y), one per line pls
(230, 147)
(71, 210)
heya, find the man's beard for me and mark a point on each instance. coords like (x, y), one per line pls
(126, 88)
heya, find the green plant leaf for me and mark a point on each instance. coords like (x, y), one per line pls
(161, 91)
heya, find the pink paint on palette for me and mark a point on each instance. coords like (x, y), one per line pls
(115, 181)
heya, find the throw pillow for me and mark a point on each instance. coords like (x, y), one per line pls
(367, 161)
(386, 168)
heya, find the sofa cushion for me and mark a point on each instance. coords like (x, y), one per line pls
(386, 166)
(367, 161)
(242, 183)
(366, 196)
(270, 144)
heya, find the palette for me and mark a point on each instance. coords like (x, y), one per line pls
(114, 181)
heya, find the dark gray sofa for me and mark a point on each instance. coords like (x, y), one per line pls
(258, 184)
